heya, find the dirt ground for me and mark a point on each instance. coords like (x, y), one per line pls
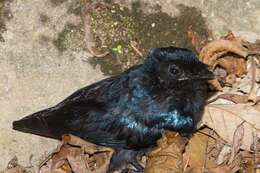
(35, 75)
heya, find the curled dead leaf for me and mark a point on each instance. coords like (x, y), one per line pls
(215, 49)
(218, 54)
(237, 141)
(78, 156)
(233, 65)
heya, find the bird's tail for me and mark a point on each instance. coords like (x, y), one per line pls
(37, 123)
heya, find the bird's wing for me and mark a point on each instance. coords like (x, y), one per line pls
(102, 91)
(83, 113)
(86, 105)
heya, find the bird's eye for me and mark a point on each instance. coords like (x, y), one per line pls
(174, 70)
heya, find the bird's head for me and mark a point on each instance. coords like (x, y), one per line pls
(176, 65)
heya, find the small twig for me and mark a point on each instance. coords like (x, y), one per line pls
(133, 45)
(208, 135)
(186, 164)
(252, 53)
(101, 55)
(89, 39)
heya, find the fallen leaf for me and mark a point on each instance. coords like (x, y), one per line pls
(167, 157)
(224, 119)
(227, 53)
(215, 49)
(233, 65)
(196, 151)
(170, 155)
(78, 164)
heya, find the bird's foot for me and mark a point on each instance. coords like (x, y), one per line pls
(137, 168)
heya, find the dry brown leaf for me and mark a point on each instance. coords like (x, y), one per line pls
(78, 164)
(233, 65)
(78, 156)
(237, 141)
(217, 54)
(101, 155)
(167, 157)
(215, 49)
(196, 149)
(224, 119)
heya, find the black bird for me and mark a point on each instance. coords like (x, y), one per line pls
(129, 111)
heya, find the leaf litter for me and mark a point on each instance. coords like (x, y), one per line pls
(78, 156)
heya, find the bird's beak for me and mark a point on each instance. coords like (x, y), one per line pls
(202, 75)
(205, 75)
